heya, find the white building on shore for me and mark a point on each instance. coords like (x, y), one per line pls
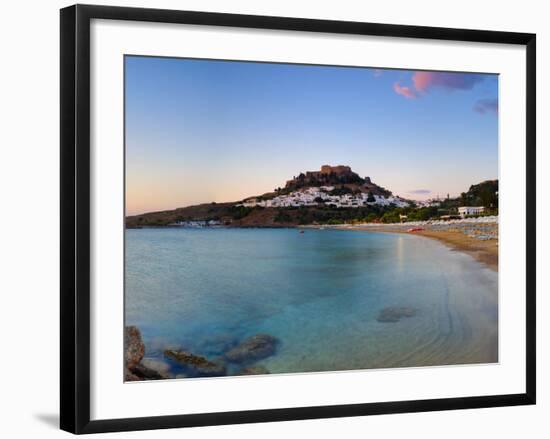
(470, 210)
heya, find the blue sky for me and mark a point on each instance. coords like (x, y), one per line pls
(201, 130)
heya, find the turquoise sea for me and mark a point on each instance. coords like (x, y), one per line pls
(319, 293)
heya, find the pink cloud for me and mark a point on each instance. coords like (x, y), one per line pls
(404, 91)
(423, 81)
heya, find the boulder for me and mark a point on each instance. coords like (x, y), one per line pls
(253, 348)
(129, 376)
(144, 373)
(393, 314)
(134, 349)
(195, 363)
(136, 367)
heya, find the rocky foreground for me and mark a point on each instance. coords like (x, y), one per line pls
(135, 370)
(242, 357)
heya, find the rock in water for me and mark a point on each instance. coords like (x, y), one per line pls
(253, 370)
(393, 314)
(200, 365)
(129, 376)
(134, 350)
(253, 348)
(133, 346)
(144, 373)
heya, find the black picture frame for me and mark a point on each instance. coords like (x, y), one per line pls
(75, 217)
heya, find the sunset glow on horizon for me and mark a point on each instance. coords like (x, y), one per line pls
(201, 131)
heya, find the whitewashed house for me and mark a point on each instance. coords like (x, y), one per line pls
(470, 210)
(309, 196)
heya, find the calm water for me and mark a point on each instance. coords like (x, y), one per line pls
(319, 293)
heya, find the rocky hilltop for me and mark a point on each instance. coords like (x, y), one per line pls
(338, 176)
(329, 194)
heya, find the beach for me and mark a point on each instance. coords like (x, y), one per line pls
(477, 237)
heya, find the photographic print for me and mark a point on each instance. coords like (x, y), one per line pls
(294, 218)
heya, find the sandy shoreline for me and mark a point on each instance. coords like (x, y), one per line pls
(478, 239)
(485, 252)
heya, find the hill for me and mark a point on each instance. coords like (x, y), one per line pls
(311, 197)
(231, 214)
(332, 195)
(201, 212)
(482, 194)
(339, 176)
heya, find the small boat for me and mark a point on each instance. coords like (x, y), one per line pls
(301, 231)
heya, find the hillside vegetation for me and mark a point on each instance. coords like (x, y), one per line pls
(343, 182)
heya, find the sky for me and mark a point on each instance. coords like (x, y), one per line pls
(199, 131)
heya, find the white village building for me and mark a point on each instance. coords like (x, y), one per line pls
(314, 196)
(470, 210)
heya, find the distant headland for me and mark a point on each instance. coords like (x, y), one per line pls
(331, 195)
